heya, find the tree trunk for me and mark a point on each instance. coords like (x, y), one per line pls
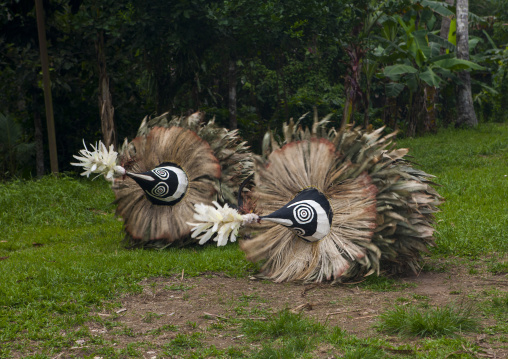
(164, 93)
(390, 113)
(106, 109)
(367, 106)
(196, 89)
(349, 103)
(430, 98)
(48, 99)
(38, 136)
(286, 107)
(277, 91)
(445, 26)
(465, 109)
(233, 124)
(416, 112)
(253, 94)
(444, 32)
(284, 88)
(352, 83)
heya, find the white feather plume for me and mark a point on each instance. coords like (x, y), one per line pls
(223, 221)
(100, 160)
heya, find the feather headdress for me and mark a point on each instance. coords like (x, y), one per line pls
(380, 208)
(169, 167)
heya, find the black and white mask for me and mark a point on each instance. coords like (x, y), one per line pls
(309, 215)
(165, 185)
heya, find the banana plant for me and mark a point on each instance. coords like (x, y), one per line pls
(492, 94)
(414, 48)
(357, 47)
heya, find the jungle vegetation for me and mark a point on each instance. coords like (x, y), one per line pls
(251, 64)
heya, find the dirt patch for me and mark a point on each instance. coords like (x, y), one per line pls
(183, 305)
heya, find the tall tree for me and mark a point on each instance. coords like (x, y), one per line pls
(47, 86)
(100, 20)
(364, 18)
(465, 110)
(38, 137)
(106, 109)
(233, 122)
(445, 25)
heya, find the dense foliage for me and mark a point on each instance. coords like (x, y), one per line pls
(368, 62)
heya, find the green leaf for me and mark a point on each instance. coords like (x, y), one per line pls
(397, 70)
(430, 78)
(378, 51)
(458, 64)
(435, 50)
(393, 89)
(412, 82)
(391, 51)
(10, 132)
(475, 20)
(389, 29)
(420, 58)
(407, 29)
(492, 43)
(473, 41)
(485, 87)
(442, 42)
(442, 57)
(444, 73)
(431, 22)
(438, 7)
(370, 68)
(422, 42)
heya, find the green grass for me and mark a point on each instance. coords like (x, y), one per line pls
(288, 338)
(499, 268)
(78, 260)
(428, 322)
(62, 257)
(289, 335)
(164, 328)
(384, 284)
(496, 306)
(283, 324)
(472, 167)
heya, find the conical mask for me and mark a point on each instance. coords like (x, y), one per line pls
(309, 215)
(165, 185)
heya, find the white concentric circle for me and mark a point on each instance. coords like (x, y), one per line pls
(303, 213)
(161, 190)
(161, 172)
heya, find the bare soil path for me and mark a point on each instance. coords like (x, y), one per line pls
(207, 303)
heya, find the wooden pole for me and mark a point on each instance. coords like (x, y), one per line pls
(48, 101)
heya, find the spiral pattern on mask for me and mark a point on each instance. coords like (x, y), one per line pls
(161, 190)
(303, 213)
(162, 173)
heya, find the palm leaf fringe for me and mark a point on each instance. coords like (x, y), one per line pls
(403, 197)
(278, 179)
(233, 154)
(214, 158)
(145, 221)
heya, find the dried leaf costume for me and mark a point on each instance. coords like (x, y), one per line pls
(173, 164)
(337, 205)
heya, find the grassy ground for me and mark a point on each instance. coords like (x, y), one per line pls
(472, 167)
(61, 258)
